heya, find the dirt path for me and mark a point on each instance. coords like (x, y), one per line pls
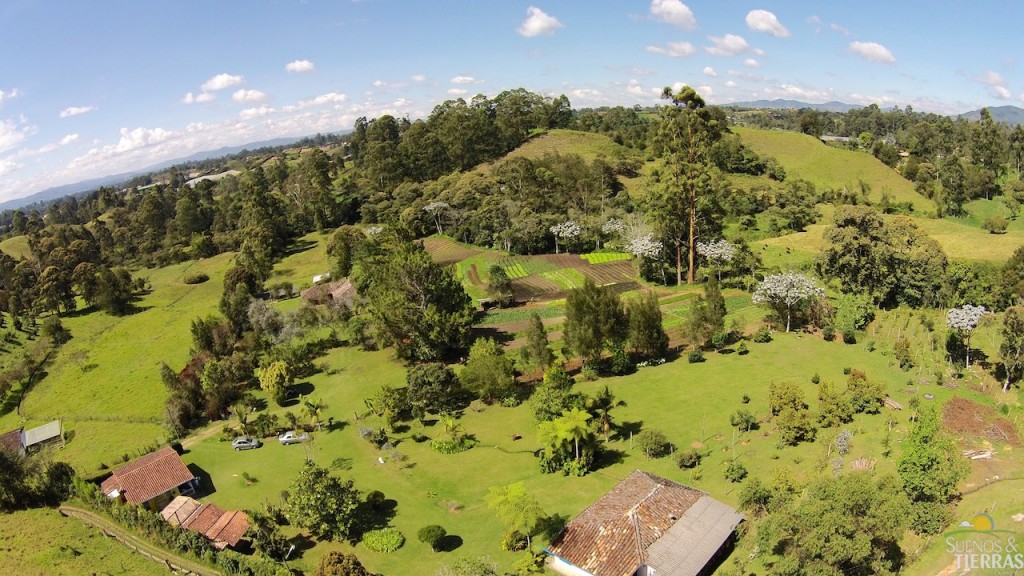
(199, 436)
(173, 562)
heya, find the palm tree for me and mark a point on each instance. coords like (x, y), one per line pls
(452, 427)
(575, 425)
(552, 436)
(243, 418)
(313, 408)
(292, 419)
(600, 407)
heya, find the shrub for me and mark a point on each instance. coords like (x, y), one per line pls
(829, 333)
(736, 472)
(688, 458)
(763, 335)
(742, 348)
(432, 536)
(815, 379)
(514, 541)
(335, 563)
(446, 446)
(720, 340)
(653, 443)
(743, 420)
(384, 541)
(695, 356)
(995, 224)
(196, 278)
(849, 337)
(745, 399)
(376, 499)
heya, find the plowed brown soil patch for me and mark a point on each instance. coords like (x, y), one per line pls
(972, 420)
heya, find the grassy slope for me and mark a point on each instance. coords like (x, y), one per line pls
(806, 157)
(587, 144)
(16, 247)
(105, 383)
(43, 543)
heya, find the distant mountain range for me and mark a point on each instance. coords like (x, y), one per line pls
(118, 180)
(1012, 115)
(796, 105)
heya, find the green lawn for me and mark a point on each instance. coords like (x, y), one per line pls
(691, 403)
(307, 258)
(41, 542)
(16, 247)
(602, 257)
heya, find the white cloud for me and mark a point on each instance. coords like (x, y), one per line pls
(11, 134)
(751, 63)
(673, 49)
(765, 21)
(250, 113)
(248, 96)
(816, 22)
(140, 138)
(418, 78)
(791, 91)
(222, 81)
(730, 84)
(587, 94)
(872, 52)
(457, 92)
(68, 139)
(709, 71)
(996, 84)
(538, 23)
(704, 90)
(839, 29)
(75, 111)
(673, 12)
(300, 66)
(5, 95)
(759, 52)
(728, 45)
(329, 98)
(8, 165)
(466, 80)
(190, 98)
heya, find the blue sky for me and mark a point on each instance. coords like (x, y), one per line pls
(89, 89)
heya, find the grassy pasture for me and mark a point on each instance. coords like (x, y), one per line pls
(105, 383)
(16, 247)
(41, 542)
(806, 157)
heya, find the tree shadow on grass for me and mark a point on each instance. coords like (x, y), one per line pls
(608, 457)
(625, 429)
(450, 543)
(373, 516)
(299, 246)
(302, 543)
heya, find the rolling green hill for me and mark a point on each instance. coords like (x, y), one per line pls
(805, 157)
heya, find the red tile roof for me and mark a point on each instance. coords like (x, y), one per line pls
(611, 537)
(149, 476)
(223, 528)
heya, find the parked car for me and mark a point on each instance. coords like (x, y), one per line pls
(245, 443)
(292, 437)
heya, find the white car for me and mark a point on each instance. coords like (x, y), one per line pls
(245, 443)
(292, 437)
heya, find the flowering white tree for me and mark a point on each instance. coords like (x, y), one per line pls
(964, 320)
(613, 227)
(373, 230)
(565, 230)
(436, 209)
(644, 246)
(785, 290)
(720, 252)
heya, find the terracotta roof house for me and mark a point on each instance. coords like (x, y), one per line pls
(341, 291)
(223, 528)
(152, 480)
(646, 526)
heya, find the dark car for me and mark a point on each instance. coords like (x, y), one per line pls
(245, 443)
